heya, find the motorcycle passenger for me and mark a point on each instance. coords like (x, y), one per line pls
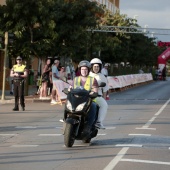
(90, 84)
(96, 66)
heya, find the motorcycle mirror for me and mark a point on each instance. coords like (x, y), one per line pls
(65, 90)
(102, 84)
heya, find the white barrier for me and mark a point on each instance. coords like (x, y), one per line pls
(60, 85)
(127, 80)
(114, 82)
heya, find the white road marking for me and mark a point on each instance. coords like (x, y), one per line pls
(162, 108)
(128, 145)
(25, 146)
(9, 134)
(49, 134)
(156, 114)
(100, 134)
(26, 127)
(139, 134)
(108, 128)
(146, 128)
(117, 159)
(149, 122)
(146, 161)
(80, 145)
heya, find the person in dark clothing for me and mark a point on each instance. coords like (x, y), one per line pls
(18, 73)
(164, 74)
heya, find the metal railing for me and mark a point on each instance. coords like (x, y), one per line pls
(132, 30)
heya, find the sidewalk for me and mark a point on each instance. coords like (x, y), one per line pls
(30, 98)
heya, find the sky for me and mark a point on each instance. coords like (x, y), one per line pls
(153, 13)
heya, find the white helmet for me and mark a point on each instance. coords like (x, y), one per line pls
(96, 61)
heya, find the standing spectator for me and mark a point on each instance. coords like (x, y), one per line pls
(62, 73)
(164, 73)
(77, 72)
(45, 79)
(55, 76)
(18, 73)
(141, 71)
(104, 70)
(160, 74)
(156, 73)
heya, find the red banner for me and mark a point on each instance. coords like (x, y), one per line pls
(163, 44)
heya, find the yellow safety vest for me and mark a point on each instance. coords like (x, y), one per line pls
(88, 84)
(19, 69)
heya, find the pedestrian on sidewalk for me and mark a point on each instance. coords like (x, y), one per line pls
(45, 79)
(19, 73)
(55, 76)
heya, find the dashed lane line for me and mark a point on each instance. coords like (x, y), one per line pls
(129, 145)
(139, 134)
(26, 127)
(143, 128)
(24, 146)
(9, 134)
(146, 161)
(49, 134)
(117, 159)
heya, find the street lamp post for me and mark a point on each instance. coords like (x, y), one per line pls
(4, 68)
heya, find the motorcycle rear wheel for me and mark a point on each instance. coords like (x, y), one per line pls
(69, 136)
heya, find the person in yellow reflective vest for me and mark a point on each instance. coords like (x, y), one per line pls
(19, 72)
(90, 84)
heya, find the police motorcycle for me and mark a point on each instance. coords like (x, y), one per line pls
(76, 108)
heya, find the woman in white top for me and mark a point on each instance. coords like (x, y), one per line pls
(96, 66)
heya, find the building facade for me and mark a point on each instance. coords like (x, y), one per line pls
(111, 5)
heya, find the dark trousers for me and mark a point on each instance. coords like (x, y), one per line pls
(91, 116)
(19, 92)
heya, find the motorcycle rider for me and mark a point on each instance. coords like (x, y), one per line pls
(96, 66)
(90, 84)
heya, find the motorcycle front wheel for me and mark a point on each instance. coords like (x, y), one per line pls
(69, 136)
(86, 140)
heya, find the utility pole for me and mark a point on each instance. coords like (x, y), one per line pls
(4, 68)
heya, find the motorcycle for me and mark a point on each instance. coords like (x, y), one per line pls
(77, 106)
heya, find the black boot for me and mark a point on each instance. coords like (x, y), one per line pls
(23, 106)
(15, 108)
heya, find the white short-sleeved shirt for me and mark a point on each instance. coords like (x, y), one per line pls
(100, 78)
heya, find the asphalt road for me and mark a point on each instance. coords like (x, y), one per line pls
(137, 135)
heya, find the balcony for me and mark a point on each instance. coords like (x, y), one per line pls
(110, 6)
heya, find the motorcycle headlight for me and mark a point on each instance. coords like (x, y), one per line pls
(80, 106)
(69, 106)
